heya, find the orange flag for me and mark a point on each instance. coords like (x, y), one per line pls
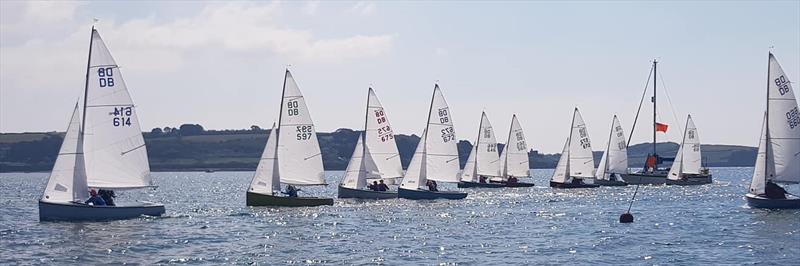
(661, 127)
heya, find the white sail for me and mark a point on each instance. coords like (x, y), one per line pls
(116, 156)
(266, 180)
(581, 162)
(380, 140)
(783, 125)
(487, 161)
(615, 158)
(360, 167)
(469, 173)
(414, 177)
(441, 152)
(764, 167)
(514, 159)
(561, 174)
(67, 181)
(300, 158)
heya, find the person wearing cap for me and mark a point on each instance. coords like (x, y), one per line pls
(95, 199)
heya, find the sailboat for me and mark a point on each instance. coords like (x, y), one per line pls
(576, 162)
(374, 157)
(687, 169)
(651, 173)
(436, 156)
(514, 157)
(778, 159)
(291, 156)
(103, 148)
(483, 162)
(615, 158)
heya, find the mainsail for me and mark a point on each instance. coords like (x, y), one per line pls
(414, 177)
(116, 156)
(561, 174)
(267, 178)
(581, 162)
(514, 159)
(300, 158)
(615, 158)
(483, 159)
(67, 181)
(360, 167)
(688, 158)
(783, 125)
(441, 153)
(379, 139)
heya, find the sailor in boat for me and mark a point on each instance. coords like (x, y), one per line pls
(382, 186)
(373, 186)
(432, 186)
(95, 199)
(482, 179)
(108, 196)
(291, 191)
(512, 180)
(650, 163)
(773, 191)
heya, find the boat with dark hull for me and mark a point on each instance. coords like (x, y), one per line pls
(102, 148)
(687, 169)
(291, 156)
(470, 184)
(777, 161)
(435, 158)
(615, 158)
(419, 194)
(375, 157)
(576, 162)
(78, 211)
(609, 183)
(483, 162)
(352, 193)
(514, 158)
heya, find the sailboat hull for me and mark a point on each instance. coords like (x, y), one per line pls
(256, 199)
(755, 201)
(418, 194)
(657, 178)
(351, 193)
(466, 184)
(571, 185)
(691, 180)
(610, 183)
(71, 211)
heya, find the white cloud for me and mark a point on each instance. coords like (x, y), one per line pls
(363, 8)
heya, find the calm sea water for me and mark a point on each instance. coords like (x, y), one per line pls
(207, 222)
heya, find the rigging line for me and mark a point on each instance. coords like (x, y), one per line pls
(669, 100)
(636, 118)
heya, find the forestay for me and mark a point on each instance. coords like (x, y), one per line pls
(441, 152)
(581, 162)
(360, 167)
(67, 181)
(783, 125)
(267, 177)
(414, 177)
(116, 156)
(688, 158)
(380, 142)
(300, 159)
(515, 154)
(615, 158)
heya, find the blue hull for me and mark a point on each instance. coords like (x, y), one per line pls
(69, 211)
(691, 180)
(350, 193)
(571, 185)
(765, 203)
(419, 194)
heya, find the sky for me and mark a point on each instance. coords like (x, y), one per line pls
(221, 64)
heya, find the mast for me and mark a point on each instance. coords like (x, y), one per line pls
(569, 141)
(655, 124)
(86, 85)
(683, 141)
(478, 141)
(364, 138)
(280, 116)
(766, 123)
(505, 148)
(608, 147)
(427, 124)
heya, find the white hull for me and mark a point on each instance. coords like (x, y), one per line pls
(70, 211)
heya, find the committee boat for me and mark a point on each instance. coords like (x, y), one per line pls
(687, 169)
(291, 156)
(374, 157)
(778, 159)
(436, 156)
(103, 149)
(614, 162)
(483, 162)
(576, 163)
